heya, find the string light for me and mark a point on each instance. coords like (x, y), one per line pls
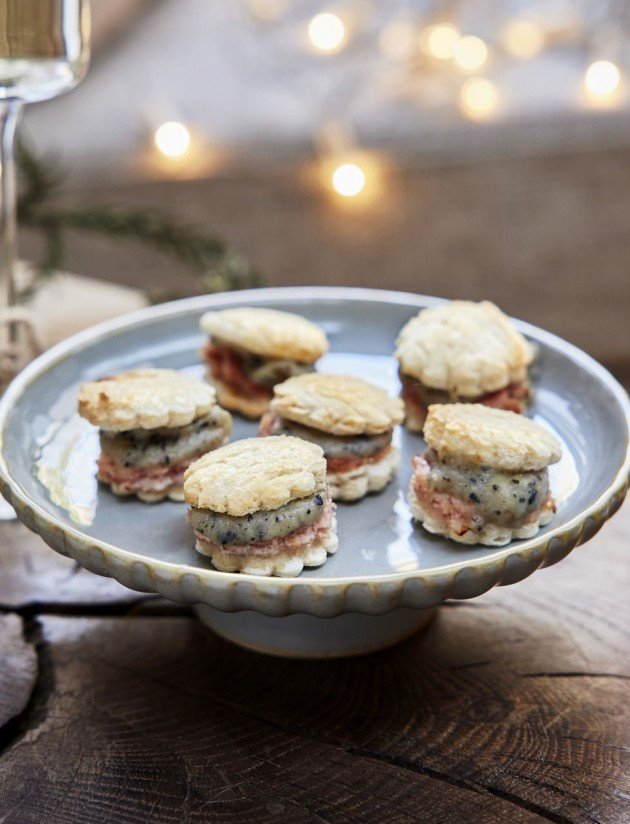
(266, 10)
(601, 80)
(440, 40)
(173, 139)
(470, 53)
(348, 180)
(327, 32)
(397, 40)
(523, 38)
(478, 98)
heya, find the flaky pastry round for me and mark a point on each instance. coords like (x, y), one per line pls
(464, 348)
(338, 404)
(145, 399)
(255, 473)
(267, 332)
(476, 435)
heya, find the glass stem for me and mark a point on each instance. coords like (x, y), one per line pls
(10, 111)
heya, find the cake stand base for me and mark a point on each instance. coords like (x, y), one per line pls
(306, 636)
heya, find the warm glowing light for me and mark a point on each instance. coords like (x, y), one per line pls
(348, 179)
(478, 98)
(266, 10)
(173, 139)
(523, 38)
(397, 40)
(440, 40)
(470, 53)
(602, 79)
(327, 32)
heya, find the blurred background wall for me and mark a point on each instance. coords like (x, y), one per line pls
(465, 149)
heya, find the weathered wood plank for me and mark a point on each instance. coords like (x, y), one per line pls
(18, 668)
(137, 730)
(512, 707)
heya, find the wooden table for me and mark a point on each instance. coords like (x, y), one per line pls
(118, 707)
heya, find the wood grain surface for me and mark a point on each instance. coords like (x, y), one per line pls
(512, 707)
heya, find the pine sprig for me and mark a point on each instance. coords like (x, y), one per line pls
(219, 268)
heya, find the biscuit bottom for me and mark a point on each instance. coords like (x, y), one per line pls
(489, 535)
(250, 406)
(370, 476)
(285, 563)
(173, 493)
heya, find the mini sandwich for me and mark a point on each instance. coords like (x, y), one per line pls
(153, 423)
(484, 478)
(261, 506)
(462, 352)
(251, 350)
(350, 419)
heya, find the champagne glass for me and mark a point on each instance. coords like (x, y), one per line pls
(44, 51)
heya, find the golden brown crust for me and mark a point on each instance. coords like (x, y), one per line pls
(145, 399)
(464, 348)
(267, 332)
(248, 406)
(255, 473)
(477, 435)
(338, 404)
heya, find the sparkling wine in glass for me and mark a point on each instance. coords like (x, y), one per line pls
(44, 52)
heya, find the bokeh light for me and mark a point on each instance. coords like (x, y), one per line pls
(440, 40)
(523, 38)
(470, 53)
(478, 98)
(348, 179)
(173, 139)
(398, 40)
(601, 79)
(327, 32)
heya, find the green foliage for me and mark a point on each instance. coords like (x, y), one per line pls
(219, 267)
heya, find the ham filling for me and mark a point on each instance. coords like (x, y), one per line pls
(293, 542)
(227, 366)
(140, 479)
(513, 398)
(349, 463)
(452, 512)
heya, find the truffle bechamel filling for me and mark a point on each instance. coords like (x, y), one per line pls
(152, 460)
(266, 532)
(247, 373)
(462, 498)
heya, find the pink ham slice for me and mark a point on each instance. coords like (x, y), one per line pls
(141, 479)
(450, 511)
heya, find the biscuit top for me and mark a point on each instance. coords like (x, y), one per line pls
(268, 333)
(464, 348)
(477, 435)
(338, 404)
(256, 473)
(145, 399)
